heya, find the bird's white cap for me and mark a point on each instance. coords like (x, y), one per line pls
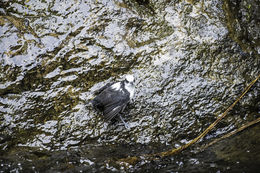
(129, 78)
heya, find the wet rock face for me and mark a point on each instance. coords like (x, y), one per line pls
(243, 21)
(191, 59)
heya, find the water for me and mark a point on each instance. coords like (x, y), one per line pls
(191, 60)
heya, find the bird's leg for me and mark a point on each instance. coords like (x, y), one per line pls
(123, 109)
(125, 124)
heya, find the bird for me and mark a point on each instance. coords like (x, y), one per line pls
(113, 98)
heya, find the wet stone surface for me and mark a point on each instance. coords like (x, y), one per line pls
(191, 60)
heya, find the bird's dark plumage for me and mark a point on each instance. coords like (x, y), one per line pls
(113, 98)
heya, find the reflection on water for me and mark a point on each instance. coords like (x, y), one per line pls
(190, 59)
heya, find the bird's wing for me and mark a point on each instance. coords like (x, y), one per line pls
(112, 110)
(98, 91)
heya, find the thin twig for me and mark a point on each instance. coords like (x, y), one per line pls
(232, 133)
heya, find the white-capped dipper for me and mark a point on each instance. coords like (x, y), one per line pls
(112, 98)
